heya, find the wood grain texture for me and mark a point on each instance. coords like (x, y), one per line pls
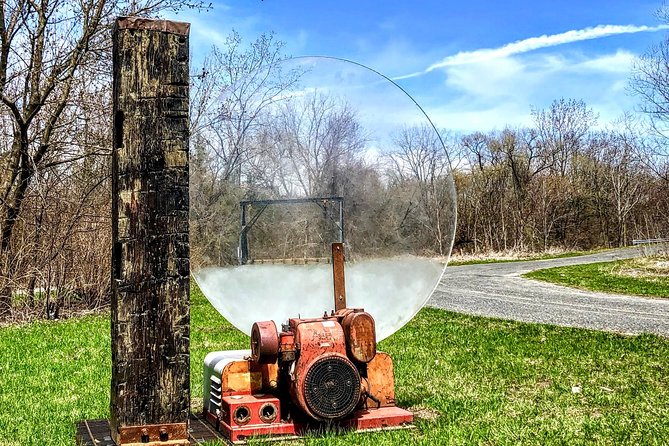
(150, 259)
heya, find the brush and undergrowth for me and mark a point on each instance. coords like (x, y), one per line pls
(468, 380)
(518, 256)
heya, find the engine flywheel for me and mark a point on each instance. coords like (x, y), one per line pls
(332, 387)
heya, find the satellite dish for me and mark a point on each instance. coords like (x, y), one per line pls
(305, 153)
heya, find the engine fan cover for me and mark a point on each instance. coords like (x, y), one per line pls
(331, 387)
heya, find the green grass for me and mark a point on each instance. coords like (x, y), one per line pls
(635, 276)
(51, 374)
(526, 257)
(470, 380)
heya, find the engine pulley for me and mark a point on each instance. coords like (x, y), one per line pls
(264, 342)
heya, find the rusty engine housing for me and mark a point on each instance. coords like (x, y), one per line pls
(313, 371)
(322, 361)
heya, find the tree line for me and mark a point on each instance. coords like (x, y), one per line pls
(565, 181)
(560, 183)
(55, 144)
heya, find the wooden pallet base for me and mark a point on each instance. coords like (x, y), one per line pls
(98, 433)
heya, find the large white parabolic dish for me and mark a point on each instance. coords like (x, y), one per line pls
(319, 127)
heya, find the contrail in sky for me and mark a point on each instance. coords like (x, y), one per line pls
(534, 43)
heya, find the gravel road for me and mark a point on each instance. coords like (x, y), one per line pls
(497, 290)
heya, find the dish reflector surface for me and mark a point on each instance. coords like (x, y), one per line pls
(350, 155)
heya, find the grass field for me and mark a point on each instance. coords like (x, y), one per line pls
(469, 380)
(648, 276)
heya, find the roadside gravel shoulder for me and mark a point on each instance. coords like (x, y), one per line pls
(497, 290)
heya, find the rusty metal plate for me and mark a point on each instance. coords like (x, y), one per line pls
(381, 380)
(338, 275)
(361, 335)
(154, 435)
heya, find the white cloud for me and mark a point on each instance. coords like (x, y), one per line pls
(618, 62)
(492, 94)
(490, 80)
(533, 43)
(490, 88)
(468, 120)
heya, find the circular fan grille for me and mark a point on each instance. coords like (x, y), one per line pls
(332, 387)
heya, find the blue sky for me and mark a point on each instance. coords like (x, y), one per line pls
(472, 65)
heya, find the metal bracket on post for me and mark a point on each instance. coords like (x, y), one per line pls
(338, 276)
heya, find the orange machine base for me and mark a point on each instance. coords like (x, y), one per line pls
(362, 420)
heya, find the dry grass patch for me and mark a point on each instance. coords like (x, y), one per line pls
(515, 256)
(644, 267)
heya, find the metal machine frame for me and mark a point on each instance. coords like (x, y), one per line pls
(246, 225)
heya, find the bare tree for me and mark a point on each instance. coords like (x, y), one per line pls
(229, 97)
(317, 137)
(420, 163)
(236, 85)
(650, 83)
(559, 184)
(562, 129)
(625, 175)
(45, 47)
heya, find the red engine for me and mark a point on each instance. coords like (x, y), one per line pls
(323, 362)
(314, 371)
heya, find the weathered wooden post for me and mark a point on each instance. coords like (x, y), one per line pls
(150, 390)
